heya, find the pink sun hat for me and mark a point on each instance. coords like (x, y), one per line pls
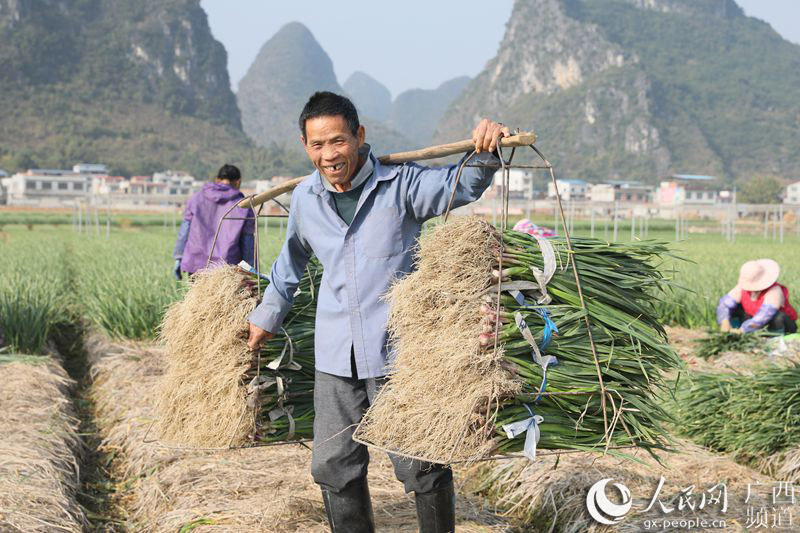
(759, 274)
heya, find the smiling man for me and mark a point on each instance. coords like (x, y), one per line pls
(361, 219)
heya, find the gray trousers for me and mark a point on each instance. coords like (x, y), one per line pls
(337, 460)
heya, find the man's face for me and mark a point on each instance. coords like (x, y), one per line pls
(333, 149)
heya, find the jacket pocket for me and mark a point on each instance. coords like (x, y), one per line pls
(382, 233)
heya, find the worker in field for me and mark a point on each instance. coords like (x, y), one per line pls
(204, 210)
(361, 220)
(757, 301)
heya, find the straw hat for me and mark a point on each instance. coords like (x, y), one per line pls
(759, 274)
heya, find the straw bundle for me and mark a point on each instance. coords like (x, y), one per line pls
(451, 390)
(201, 400)
(38, 448)
(215, 392)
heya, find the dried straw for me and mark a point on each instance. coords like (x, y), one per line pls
(38, 449)
(440, 400)
(202, 400)
(251, 490)
(550, 494)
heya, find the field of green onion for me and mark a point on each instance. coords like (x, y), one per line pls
(121, 282)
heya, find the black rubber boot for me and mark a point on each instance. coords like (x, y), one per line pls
(436, 510)
(349, 511)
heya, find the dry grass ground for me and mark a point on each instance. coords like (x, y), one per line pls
(38, 448)
(550, 494)
(261, 489)
(270, 489)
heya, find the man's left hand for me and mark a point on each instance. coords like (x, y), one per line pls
(487, 133)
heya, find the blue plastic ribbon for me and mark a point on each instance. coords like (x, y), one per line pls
(529, 426)
(549, 328)
(244, 265)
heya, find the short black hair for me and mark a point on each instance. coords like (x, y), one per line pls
(328, 104)
(229, 172)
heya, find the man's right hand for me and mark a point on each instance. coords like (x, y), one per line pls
(256, 337)
(725, 325)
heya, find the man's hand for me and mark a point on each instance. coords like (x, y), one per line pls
(725, 325)
(256, 337)
(486, 135)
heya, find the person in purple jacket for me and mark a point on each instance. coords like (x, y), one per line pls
(200, 221)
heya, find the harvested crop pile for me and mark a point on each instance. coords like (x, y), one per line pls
(718, 342)
(38, 448)
(214, 393)
(753, 417)
(452, 389)
(550, 494)
(267, 489)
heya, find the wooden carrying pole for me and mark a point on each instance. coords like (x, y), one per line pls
(433, 152)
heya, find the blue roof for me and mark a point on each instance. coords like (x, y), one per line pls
(693, 177)
(572, 181)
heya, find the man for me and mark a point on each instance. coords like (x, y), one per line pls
(204, 210)
(361, 219)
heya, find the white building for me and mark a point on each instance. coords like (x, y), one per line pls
(569, 189)
(620, 191)
(47, 187)
(792, 195)
(110, 185)
(176, 182)
(520, 183)
(90, 168)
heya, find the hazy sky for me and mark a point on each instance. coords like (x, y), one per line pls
(404, 45)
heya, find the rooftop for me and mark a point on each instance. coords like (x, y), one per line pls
(692, 177)
(49, 172)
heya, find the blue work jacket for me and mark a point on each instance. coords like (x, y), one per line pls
(361, 260)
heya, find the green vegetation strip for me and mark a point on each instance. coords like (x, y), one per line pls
(748, 416)
(718, 342)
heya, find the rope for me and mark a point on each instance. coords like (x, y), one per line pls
(580, 292)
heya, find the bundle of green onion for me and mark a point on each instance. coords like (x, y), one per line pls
(718, 342)
(618, 283)
(749, 416)
(286, 366)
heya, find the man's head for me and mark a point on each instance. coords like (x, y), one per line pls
(332, 136)
(229, 175)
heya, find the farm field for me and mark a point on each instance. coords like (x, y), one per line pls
(113, 290)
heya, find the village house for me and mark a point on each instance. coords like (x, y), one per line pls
(569, 189)
(792, 195)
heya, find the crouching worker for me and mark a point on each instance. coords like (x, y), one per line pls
(204, 210)
(361, 219)
(758, 300)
